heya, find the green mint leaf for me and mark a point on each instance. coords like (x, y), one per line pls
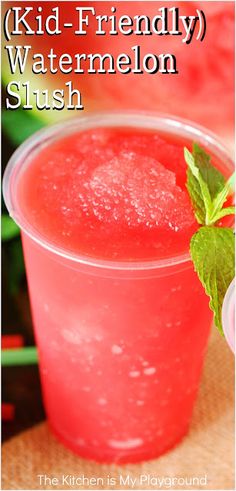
(212, 252)
(220, 199)
(206, 186)
(230, 210)
(204, 183)
(197, 188)
(212, 176)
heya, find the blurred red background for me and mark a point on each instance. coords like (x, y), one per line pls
(202, 91)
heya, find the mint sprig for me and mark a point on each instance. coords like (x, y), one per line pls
(212, 248)
(206, 186)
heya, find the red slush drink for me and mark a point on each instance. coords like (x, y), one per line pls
(121, 319)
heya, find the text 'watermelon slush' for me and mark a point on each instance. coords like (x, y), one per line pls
(121, 319)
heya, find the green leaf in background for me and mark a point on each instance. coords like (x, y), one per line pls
(9, 229)
(19, 125)
(22, 356)
(213, 254)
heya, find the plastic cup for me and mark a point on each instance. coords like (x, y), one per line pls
(121, 344)
(228, 316)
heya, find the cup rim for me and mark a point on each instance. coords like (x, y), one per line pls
(138, 119)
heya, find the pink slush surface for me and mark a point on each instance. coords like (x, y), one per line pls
(112, 193)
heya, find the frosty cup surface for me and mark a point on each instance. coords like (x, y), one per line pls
(121, 344)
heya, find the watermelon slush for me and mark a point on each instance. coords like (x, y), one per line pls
(121, 320)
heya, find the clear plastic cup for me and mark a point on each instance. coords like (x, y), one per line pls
(121, 344)
(228, 316)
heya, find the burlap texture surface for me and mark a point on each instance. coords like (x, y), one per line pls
(208, 449)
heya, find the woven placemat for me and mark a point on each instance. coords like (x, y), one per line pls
(206, 454)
